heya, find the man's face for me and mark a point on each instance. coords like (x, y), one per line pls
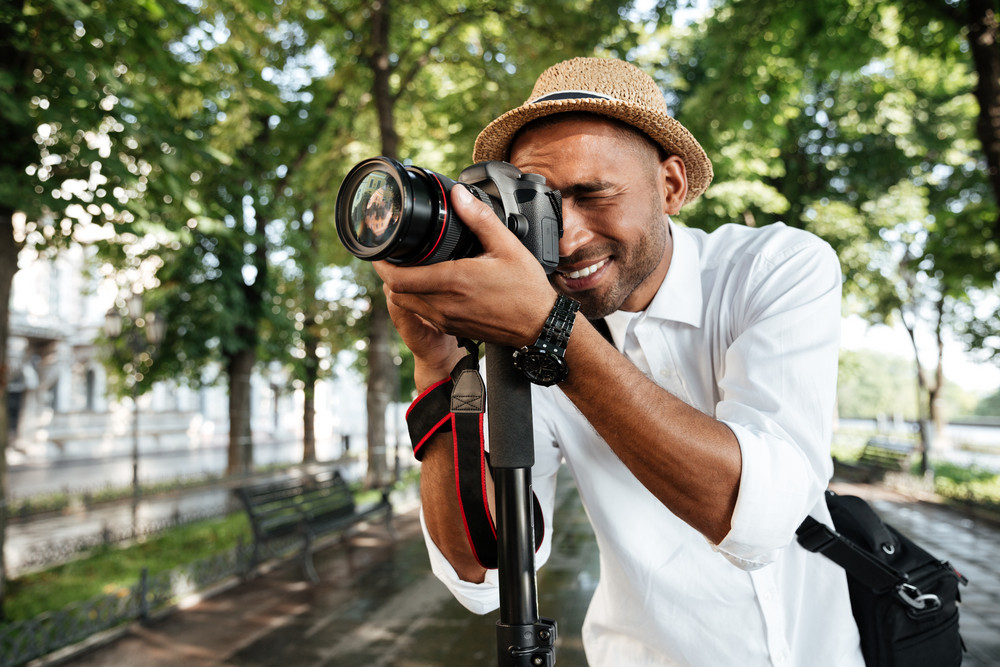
(616, 247)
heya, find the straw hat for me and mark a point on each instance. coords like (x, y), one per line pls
(610, 88)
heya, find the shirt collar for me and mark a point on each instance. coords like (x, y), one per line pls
(679, 298)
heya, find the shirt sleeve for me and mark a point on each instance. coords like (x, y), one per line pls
(777, 394)
(482, 598)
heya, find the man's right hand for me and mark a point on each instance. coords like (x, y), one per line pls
(434, 353)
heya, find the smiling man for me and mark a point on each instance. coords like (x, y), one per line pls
(695, 412)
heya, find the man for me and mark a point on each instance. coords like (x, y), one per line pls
(699, 438)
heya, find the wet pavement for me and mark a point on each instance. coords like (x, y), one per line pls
(377, 603)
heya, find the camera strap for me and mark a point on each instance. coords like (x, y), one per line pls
(458, 404)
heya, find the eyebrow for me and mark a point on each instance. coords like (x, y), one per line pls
(585, 188)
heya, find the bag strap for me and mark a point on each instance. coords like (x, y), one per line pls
(859, 563)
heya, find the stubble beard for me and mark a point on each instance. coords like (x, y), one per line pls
(634, 265)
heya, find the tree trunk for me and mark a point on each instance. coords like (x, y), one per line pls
(983, 36)
(9, 250)
(924, 443)
(380, 370)
(935, 394)
(930, 417)
(311, 338)
(380, 366)
(309, 399)
(382, 72)
(239, 369)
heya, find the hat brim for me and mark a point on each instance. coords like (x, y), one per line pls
(494, 141)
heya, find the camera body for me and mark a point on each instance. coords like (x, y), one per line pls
(403, 215)
(529, 208)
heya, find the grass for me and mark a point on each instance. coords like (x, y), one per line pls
(109, 569)
(972, 484)
(966, 484)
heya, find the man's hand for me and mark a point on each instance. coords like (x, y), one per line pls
(500, 296)
(435, 353)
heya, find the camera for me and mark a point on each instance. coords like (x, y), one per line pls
(403, 214)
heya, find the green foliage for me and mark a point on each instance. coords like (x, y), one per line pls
(109, 569)
(989, 406)
(872, 385)
(972, 485)
(857, 122)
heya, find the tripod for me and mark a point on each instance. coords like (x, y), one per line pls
(523, 638)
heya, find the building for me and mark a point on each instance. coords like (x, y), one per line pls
(60, 414)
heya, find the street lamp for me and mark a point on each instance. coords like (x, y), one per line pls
(153, 328)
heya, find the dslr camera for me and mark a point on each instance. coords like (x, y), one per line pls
(403, 214)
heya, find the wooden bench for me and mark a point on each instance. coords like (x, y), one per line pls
(886, 454)
(879, 456)
(305, 509)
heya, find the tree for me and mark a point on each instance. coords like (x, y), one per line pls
(88, 140)
(937, 26)
(989, 406)
(871, 385)
(835, 122)
(215, 280)
(452, 73)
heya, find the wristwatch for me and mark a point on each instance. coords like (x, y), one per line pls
(544, 362)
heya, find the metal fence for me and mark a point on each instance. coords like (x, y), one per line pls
(55, 552)
(23, 641)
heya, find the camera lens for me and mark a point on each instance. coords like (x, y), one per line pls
(400, 214)
(375, 209)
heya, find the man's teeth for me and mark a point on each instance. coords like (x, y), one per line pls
(586, 271)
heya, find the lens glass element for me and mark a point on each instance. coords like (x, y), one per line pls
(375, 209)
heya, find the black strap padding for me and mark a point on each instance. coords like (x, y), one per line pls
(429, 414)
(468, 407)
(458, 404)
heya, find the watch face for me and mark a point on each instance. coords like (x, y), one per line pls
(542, 368)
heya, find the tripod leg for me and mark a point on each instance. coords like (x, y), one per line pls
(522, 637)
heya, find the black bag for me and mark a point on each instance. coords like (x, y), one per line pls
(904, 599)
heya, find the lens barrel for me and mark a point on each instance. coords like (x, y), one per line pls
(400, 214)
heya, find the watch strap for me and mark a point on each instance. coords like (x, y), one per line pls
(558, 326)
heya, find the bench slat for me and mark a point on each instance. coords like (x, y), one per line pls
(314, 507)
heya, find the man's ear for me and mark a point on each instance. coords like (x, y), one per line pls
(673, 176)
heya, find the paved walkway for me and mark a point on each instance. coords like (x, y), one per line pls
(378, 604)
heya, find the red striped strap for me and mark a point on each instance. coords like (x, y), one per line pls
(472, 465)
(458, 404)
(429, 414)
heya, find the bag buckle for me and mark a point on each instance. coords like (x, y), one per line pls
(923, 603)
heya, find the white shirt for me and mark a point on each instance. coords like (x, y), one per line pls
(745, 328)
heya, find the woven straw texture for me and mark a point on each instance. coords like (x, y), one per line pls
(635, 99)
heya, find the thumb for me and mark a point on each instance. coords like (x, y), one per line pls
(491, 231)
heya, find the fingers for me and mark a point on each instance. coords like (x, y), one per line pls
(492, 233)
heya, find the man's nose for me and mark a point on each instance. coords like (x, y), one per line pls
(576, 233)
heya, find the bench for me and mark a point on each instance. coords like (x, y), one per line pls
(879, 456)
(303, 510)
(886, 454)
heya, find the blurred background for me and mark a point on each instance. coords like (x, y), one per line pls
(176, 311)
